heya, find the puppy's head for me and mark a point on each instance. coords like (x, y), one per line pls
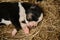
(33, 13)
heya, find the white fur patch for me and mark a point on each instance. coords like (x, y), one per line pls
(5, 22)
(14, 32)
(40, 18)
(21, 13)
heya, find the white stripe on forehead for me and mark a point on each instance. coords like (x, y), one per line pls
(22, 13)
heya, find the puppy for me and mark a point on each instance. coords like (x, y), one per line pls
(22, 15)
(34, 14)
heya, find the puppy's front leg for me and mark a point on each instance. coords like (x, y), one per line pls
(25, 28)
(17, 25)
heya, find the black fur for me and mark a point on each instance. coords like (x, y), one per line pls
(10, 11)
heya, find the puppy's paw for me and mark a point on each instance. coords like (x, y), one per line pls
(14, 32)
(25, 28)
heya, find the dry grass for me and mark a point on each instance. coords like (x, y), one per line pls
(48, 28)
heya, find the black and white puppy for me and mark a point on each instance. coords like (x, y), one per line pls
(22, 15)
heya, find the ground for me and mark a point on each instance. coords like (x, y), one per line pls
(48, 28)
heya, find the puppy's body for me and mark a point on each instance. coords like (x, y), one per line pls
(18, 13)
